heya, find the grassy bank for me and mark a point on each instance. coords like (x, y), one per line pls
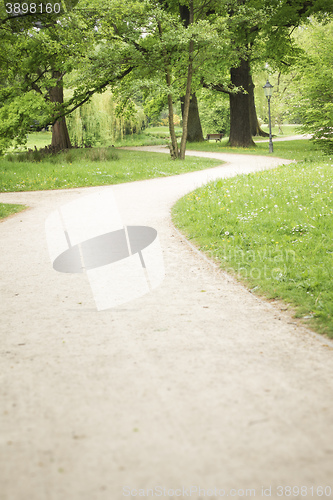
(273, 230)
(148, 137)
(7, 209)
(292, 150)
(91, 167)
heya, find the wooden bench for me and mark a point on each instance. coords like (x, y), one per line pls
(217, 137)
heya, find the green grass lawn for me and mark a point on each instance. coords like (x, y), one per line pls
(38, 140)
(149, 136)
(42, 139)
(273, 230)
(91, 167)
(162, 131)
(7, 209)
(292, 150)
(285, 131)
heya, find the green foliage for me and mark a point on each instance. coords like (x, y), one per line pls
(261, 33)
(214, 112)
(129, 48)
(153, 108)
(303, 93)
(19, 116)
(315, 82)
(174, 54)
(98, 123)
(272, 230)
(283, 94)
(33, 61)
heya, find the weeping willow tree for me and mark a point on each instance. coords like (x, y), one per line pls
(98, 122)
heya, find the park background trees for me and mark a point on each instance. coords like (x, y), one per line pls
(37, 51)
(161, 52)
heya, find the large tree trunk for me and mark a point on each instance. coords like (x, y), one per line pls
(240, 130)
(254, 123)
(187, 101)
(174, 145)
(194, 129)
(188, 88)
(60, 136)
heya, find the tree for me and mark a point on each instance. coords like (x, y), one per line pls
(60, 136)
(36, 56)
(204, 50)
(188, 90)
(240, 125)
(168, 48)
(174, 54)
(87, 49)
(259, 33)
(243, 18)
(194, 129)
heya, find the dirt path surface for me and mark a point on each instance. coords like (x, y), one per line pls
(198, 384)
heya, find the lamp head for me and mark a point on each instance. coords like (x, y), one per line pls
(268, 89)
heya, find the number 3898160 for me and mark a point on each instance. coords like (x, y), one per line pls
(33, 8)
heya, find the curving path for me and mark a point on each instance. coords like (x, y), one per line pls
(198, 384)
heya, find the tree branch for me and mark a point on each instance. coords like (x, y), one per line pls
(218, 87)
(89, 94)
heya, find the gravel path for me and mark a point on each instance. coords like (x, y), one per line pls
(198, 384)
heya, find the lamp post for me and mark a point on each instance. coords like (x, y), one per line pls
(268, 89)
